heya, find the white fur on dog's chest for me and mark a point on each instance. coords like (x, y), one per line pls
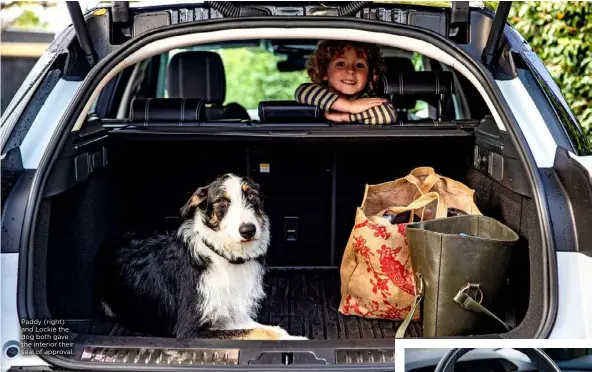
(230, 292)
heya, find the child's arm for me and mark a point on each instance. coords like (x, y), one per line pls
(323, 98)
(316, 95)
(379, 115)
(383, 114)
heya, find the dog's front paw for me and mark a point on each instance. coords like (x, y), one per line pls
(268, 332)
(290, 337)
(284, 335)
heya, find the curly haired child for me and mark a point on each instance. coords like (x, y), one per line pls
(344, 76)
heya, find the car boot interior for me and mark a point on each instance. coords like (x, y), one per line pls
(135, 173)
(312, 190)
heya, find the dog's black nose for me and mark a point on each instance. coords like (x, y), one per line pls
(247, 230)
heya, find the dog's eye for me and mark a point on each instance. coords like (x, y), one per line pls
(251, 196)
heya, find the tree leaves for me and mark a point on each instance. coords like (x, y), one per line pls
(561, 34)
(252, 76)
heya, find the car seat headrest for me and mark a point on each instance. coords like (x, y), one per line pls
(175, 111)
(418, 83)
(288, 112)
(394, 66)
(197, 74)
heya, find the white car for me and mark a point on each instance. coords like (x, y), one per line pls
(97, 141)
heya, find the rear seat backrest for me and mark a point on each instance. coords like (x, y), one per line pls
(200, 74)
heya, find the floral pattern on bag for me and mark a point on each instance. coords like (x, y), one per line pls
(389, 269)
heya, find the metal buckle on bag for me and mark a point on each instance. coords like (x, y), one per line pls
(419, 285)
(476, 288)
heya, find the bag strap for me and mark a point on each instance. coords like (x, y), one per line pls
(415, 181)
(403, 327)
(462, 298)
(430, 182)
(468, 303)
(422, 201)
(418, 297)
(427, 184)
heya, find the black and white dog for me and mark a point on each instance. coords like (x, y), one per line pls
(205, 281)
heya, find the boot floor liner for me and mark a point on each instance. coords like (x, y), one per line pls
(304, 302)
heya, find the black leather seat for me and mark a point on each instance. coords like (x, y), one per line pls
(200, 74)
(167, 111)
(288, 112)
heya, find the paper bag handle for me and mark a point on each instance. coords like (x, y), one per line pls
(427, 185)
(428, 182)
(422, 201)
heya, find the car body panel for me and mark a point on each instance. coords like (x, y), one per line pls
(539, 138)
(9, 321)
(575, 274)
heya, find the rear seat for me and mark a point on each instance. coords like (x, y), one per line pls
(430, 86)
(200, 74)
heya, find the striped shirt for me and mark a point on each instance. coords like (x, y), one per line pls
(323, 98)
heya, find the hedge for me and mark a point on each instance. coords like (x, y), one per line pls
(561, 34)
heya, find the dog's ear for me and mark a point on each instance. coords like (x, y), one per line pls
(196, 199)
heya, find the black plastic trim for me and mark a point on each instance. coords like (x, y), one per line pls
(548, 279)
(496, 33)
(13, 212)
(495, 156)
(82, 32)
(12, 168)
(302, 133)
(561, 209)
(576, 183)
(290, 125)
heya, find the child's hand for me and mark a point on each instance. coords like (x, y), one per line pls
(364, 104)
(338, 117)
(357, 106)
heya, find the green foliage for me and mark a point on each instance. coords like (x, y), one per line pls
(561, 34)
(24, 14)
(28, 19)
(252, 76)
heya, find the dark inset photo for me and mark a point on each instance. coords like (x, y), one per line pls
(498, 360)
